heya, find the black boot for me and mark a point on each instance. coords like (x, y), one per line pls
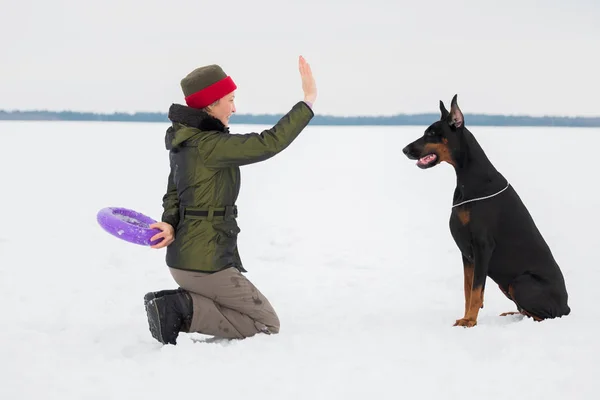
(153, 295)
(169, 312)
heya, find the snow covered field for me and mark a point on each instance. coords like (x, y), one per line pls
(347, 238)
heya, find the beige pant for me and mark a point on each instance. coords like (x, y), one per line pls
(226, 304)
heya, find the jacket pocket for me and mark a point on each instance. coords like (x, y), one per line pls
(227, 234)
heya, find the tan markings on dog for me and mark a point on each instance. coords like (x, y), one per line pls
(511, 293)
(473, 299)
(505, 293)
(468, 273)
(530, 315)
(482, 297)
(464, 216)
(505, 314)
(525, 313)
(441, 149)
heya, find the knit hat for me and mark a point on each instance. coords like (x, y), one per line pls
(205, 85)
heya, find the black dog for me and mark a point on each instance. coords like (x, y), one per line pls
(491, 226)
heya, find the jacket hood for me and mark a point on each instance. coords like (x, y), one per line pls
(189, 117)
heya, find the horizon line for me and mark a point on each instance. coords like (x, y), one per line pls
(417, 119)
(399, 114)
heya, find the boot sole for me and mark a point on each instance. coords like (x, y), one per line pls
(154, 320)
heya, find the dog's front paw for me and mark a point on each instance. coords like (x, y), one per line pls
(467, 323)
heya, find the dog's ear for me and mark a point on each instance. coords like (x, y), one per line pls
(444, 112)
(456, 116)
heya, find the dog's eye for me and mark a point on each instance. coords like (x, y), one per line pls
(430, 133)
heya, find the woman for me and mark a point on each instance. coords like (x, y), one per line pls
(198, 225)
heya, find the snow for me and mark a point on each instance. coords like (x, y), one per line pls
(345, 236)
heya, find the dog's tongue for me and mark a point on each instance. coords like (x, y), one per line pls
(427, 159)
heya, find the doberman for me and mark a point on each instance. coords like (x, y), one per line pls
(491, 226)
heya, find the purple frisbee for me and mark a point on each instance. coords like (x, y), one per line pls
(128, 225)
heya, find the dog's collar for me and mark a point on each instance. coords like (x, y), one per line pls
(481, 198)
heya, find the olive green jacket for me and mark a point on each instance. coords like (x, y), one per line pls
(204, 183)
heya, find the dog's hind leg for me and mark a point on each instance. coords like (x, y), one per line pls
(536, 298)
(508, 296)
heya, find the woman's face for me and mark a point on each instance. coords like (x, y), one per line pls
(223, 108)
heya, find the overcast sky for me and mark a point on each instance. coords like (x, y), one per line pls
(373, 57)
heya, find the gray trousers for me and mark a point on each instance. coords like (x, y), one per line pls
(226, 304)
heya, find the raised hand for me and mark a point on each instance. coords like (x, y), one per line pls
(308, 81)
